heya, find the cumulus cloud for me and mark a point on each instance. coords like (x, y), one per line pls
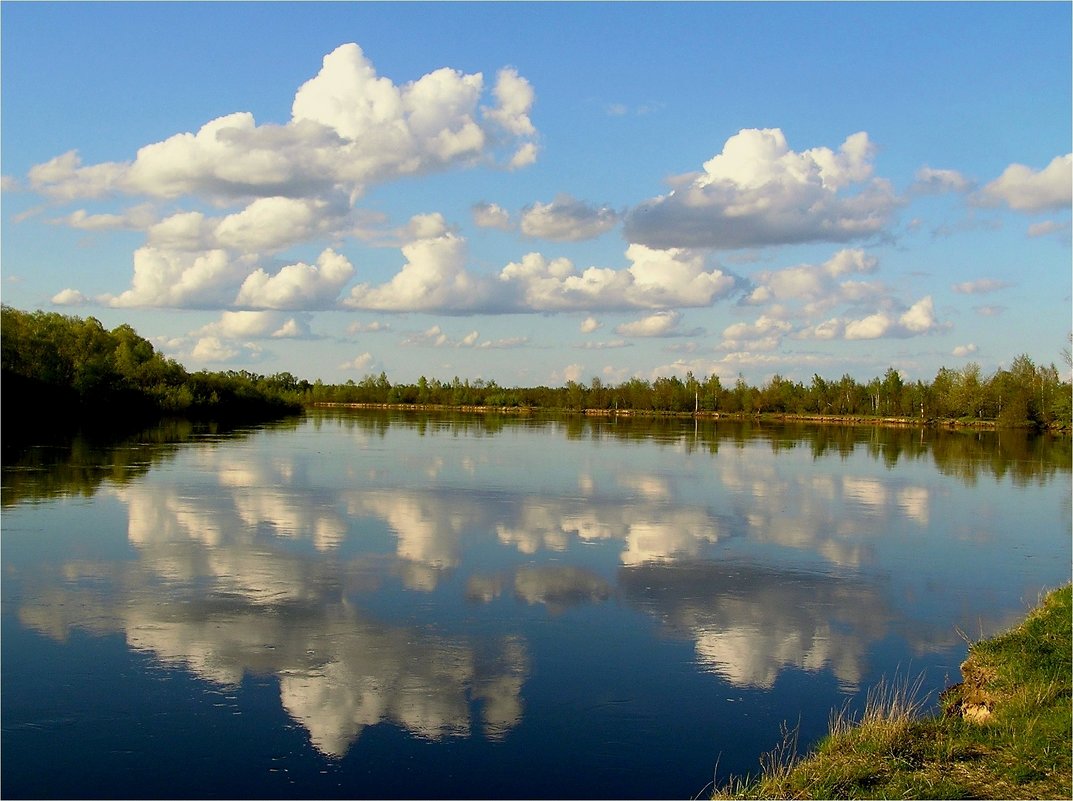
(290, 183)
(214, 350)
(362, 361)
(980, 287)
(655, 279)
(430, 337)
(660, 324)
(566, 219)
(933, 181)
(69, 297)
(297, 286)
(589, 324)
(962, 351)
(1025, 189)
(349, 127)
(255, 325)
(764, 334)
(179, 279)
(758, 192)
(435, 277)
(917, 319)
(491, 215)
(816, 284)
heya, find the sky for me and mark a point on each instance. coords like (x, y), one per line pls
(547, 192)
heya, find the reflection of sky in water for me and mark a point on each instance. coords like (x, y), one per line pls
(350, 562)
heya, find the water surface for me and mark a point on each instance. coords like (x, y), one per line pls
(392, 605)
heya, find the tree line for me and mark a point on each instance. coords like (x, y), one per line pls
(56, 364)
(71, 371)
(1024, 394)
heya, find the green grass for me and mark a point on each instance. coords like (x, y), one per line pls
(1003, 732)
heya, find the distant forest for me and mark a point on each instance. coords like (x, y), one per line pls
(54, 363)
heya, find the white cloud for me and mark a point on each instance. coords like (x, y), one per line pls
(69, 297)
(254, 325)
(962, 351)
(434, 278)
(656, 279)
(764, 334)
(589, 324)
(360, 362)
(758, 192)
(213, 350)
(349, 128)
(64, 177)
(920, 317)
(660, 324)
(917, 319)
(815, 283)
(137, 218)
(933, 181)
(566, 219)
(573, 372)
(179, 279)
(491, 215)
(989, 311)
(272, 223)
(980, 286)
(431, 337)
(525, 155)
(1024, 189)
(297, 286)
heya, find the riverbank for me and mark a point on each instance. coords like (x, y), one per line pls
(1003, 732)
(763, 417)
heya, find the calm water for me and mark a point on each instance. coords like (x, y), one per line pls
(383, 605)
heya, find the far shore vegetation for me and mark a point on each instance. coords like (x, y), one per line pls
(1003, 732)
(66, 368)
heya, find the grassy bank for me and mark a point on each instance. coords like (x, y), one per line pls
(1004, 732)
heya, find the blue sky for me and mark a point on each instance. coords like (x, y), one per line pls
(536, 193)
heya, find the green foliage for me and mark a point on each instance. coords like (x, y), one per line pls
(68, 369)
(1022, 396)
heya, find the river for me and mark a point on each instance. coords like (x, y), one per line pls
(392, 605)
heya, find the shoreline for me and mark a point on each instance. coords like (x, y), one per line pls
(758, 417)
(1004, 731)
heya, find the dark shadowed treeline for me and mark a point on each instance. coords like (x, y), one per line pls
(66, 372)
(1022, 395)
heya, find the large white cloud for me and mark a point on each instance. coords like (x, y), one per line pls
(349, 128)
(758, 192)
(173, 278)
(297, 286)
(656, 279)
(1024, 189)
(435, 278)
